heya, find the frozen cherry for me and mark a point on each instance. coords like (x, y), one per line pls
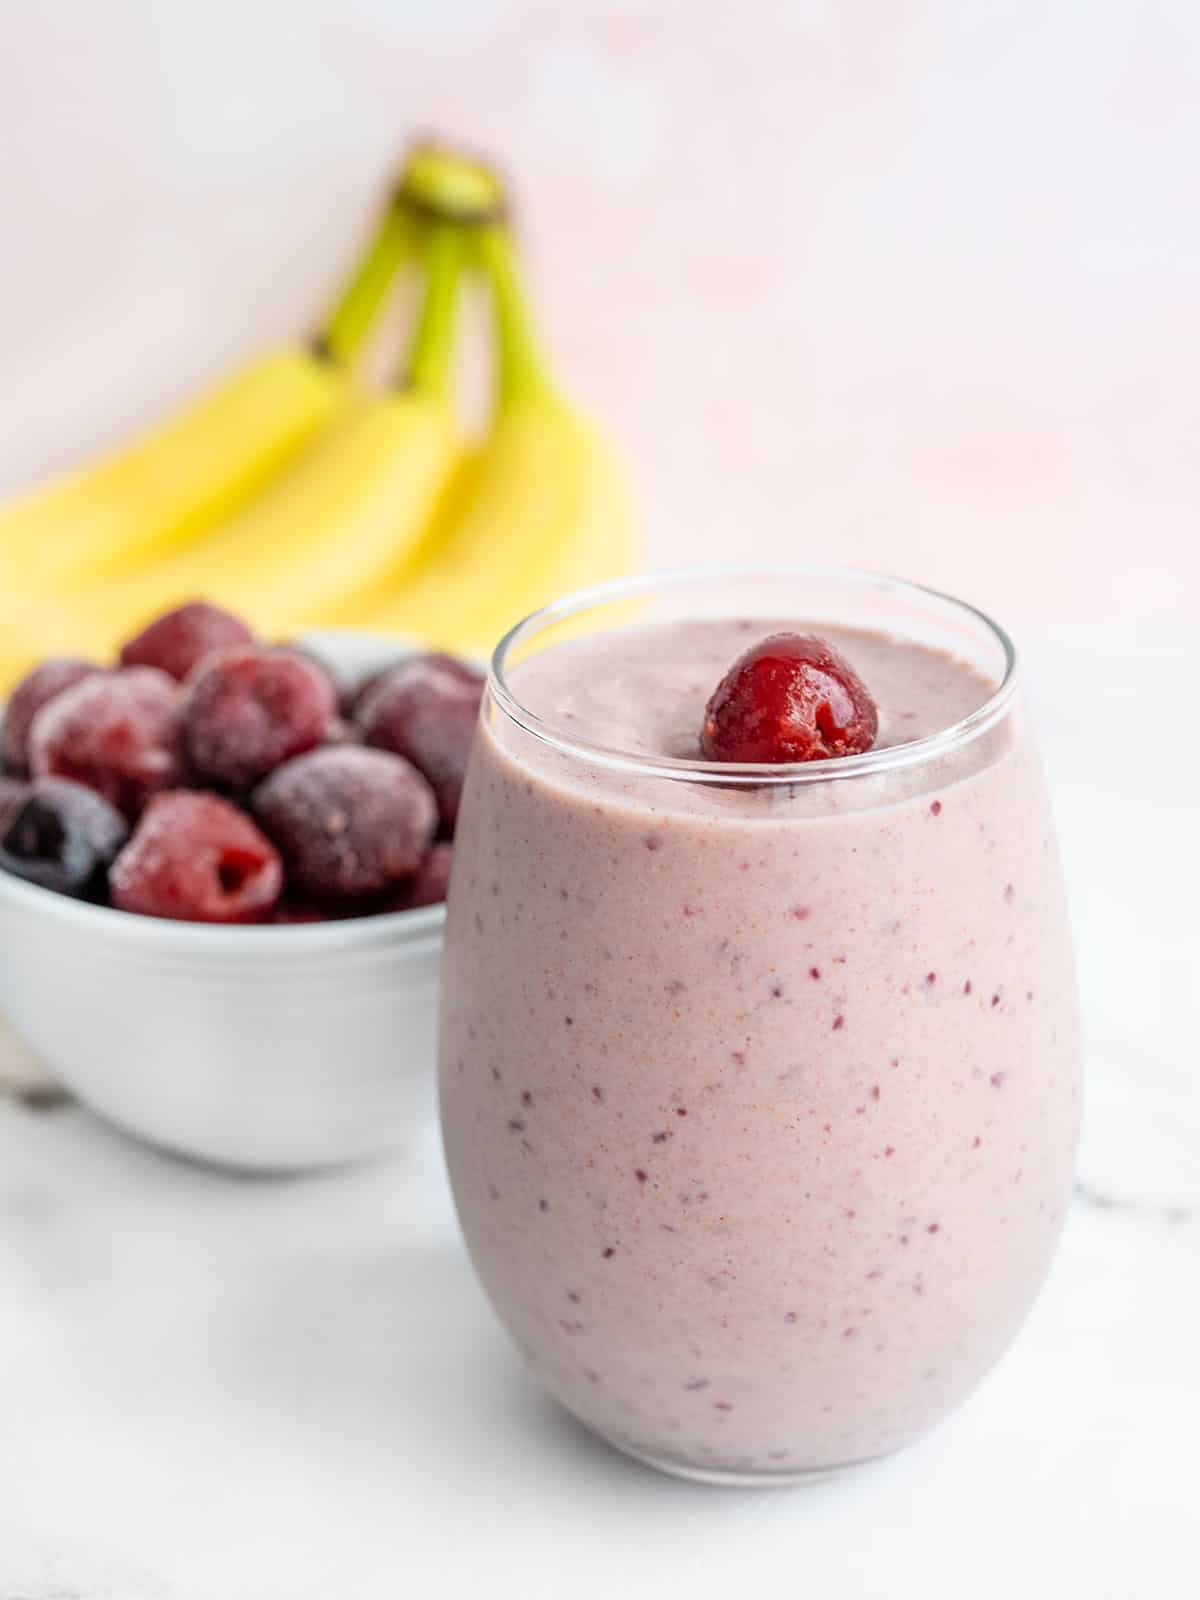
(342, 692)
(12, 793)
(792, 697)
(427, 886)
(34, 691)
(176, 641)
(359, 691)
(63, 837)
(197, 858)
(116, 732)
(426, 710)
(347, 821)
(249, 710)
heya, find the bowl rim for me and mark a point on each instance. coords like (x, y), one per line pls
(726, 774)
(413, 926)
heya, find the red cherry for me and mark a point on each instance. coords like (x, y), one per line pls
(425, 710)
(13, 793)
(196, 858)
(792, 697)
(115, 732)
(248, 710)
(348, 822)
(180, 639)
(427, 886)
(34, 691)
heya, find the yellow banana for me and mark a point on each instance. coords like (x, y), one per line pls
(346, 512)
(28, 634)
(202, 463)
(543, 506)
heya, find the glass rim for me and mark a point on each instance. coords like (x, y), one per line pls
(750, 774)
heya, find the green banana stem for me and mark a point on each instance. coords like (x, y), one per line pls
(431, 358)
(521, 370)
(449, 185)
(341, 338)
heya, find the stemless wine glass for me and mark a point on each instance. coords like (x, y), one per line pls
(759, 1084)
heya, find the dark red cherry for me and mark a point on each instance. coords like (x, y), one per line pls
(792, 697)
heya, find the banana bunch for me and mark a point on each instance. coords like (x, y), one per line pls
(541, 506)
(299, 498)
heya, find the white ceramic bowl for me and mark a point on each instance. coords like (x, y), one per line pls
(268, 1048)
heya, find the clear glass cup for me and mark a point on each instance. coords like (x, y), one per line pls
(759, 1085)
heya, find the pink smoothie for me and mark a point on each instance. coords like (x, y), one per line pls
(760, 1105)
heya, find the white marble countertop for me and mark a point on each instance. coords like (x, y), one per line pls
(222, 1389)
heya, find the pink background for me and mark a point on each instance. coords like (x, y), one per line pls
(897, 283)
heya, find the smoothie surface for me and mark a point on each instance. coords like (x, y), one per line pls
(642, 689)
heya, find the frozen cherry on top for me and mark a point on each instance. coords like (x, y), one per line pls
(348, 821)
(178, 640)
(792, 697)
(61, 836)
(115, 732)
(197, 858)
(248, 710)
(35, 690)
(425, 710)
